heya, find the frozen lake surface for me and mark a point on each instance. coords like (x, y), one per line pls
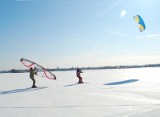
(106, 93)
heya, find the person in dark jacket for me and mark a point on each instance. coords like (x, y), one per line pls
(79, 75)
(32, 73)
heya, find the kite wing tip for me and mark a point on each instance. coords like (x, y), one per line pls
(21, 59)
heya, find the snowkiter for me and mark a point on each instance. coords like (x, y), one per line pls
(32, 72)
(79, 75)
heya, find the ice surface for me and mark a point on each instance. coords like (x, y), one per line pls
(107, 93)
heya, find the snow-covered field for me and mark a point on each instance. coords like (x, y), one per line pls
(106, 93)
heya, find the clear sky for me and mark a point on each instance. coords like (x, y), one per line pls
(66, 33)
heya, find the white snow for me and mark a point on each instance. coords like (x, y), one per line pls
(106, 93)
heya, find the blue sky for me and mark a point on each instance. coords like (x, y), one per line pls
(66, 33)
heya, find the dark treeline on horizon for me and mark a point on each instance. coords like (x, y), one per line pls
(86, 68)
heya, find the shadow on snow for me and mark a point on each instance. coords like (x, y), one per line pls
(81, 106)
(122, 82)
(75, 84)
(20, 90)
(71, 84)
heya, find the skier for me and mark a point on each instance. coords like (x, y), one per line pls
(32, 72)
(79, 75)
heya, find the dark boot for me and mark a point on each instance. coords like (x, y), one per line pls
(34, 86)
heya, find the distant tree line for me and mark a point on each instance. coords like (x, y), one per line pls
(86, 68)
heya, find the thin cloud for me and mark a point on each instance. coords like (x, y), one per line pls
(39, 37)
(153, 36)
(150, 36)
(118, 33)
(22, 0)
(111, 6)
(140, 37)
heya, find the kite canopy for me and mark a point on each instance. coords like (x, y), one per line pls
(140, 22)
(40, 71)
